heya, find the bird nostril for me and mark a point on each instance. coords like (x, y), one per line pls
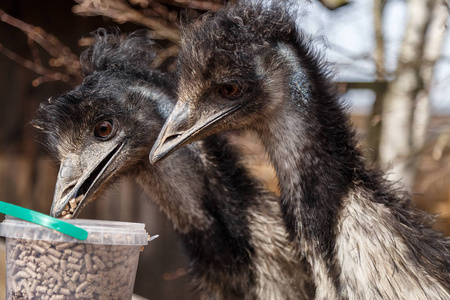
(172, 137)
(67, 190)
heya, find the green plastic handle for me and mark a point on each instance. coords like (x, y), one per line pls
(43, 220)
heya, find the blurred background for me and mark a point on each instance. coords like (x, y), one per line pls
(391, 59)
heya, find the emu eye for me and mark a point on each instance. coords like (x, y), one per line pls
(230, 91)
(104, 129)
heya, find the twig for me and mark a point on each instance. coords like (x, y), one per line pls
(47, 75)
(164, 55)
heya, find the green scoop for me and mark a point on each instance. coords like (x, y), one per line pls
(43, 220)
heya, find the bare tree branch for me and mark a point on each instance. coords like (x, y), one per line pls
(160, 17)
(121, 12)
(62, 55)
(47, 75)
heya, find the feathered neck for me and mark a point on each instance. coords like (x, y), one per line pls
(326, 189)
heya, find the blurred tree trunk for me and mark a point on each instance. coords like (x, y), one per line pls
(406, 108)
(378, 8)
(374, 126)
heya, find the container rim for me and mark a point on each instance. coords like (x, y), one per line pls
(99, 231)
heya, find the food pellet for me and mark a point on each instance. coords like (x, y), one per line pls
(62, 246)
(54, 252)
(34, 285)
(71, 286)
(31, 272)
(75, 277)
(74, 267)
(38, 248)
(76, 254)
(20, 263)
(53, 259)
(31, 265)
(41, 289)
(72, 260)
(64, 291)
(72, 204)
(98, 262)
(47, 261)
(54, 270)
(87, 261)
(81, 287)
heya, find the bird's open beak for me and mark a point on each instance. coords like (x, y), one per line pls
(184, 126)
(78, 180)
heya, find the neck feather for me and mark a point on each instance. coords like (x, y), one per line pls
(175, 185)
(312, 148)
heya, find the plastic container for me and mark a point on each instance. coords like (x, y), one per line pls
(42, 263)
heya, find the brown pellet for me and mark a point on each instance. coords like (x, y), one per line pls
(62, 246)
(34, 285)
(54, 252)
(64, 291)
(20, 275)
(20, 263)
(72, 204)
(74, 267)
(81, 287)
(98, 262)
(31, 272)
(38, 248)
(63, 264)
(71, 286)
(80, 247)
(47, 261)
(75, 277)
(31, 265)
(55, 275)
(76, 254)
(41, 289)
(88, 262)
(53, 259)
(72, 260)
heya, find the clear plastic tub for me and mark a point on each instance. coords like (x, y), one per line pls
(42, 263)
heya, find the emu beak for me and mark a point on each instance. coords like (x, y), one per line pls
(184, 126)
(79, 177)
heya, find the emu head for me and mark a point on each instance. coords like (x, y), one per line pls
(234, 72)
(101, 130)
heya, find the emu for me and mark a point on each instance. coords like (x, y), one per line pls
(102, 130)
(250, 67)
